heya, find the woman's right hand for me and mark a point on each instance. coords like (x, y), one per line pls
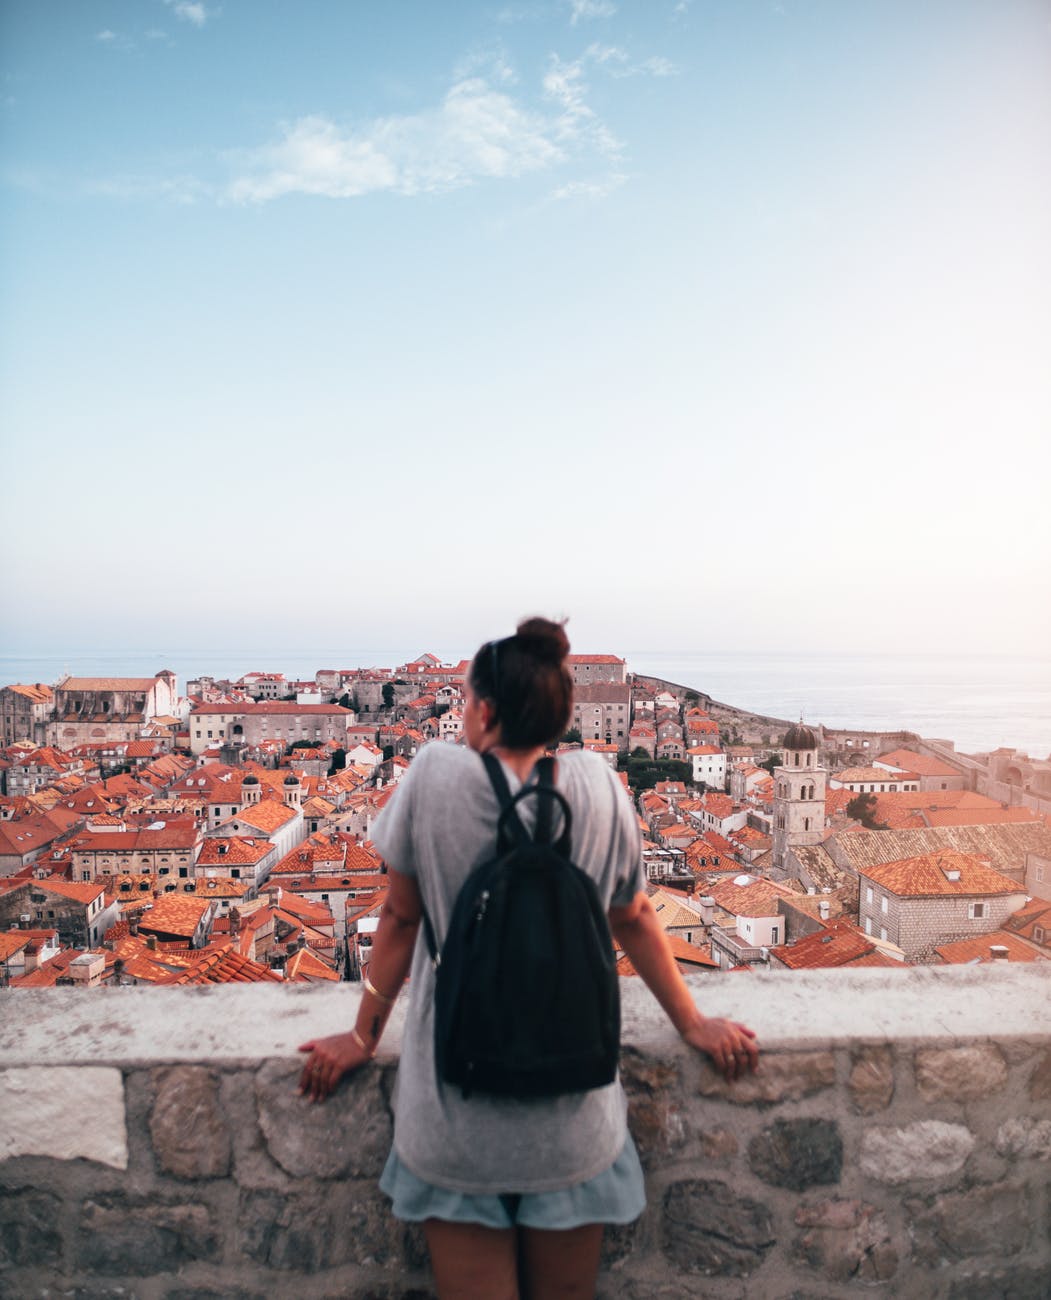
(731, 1045)
(330, 1059)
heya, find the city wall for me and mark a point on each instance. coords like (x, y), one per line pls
(897, 1141)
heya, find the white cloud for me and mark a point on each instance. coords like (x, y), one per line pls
(191, 11)
(106, 35)
(617, 63)
(476, 133)
(564, 84)
(115, 40)
(595, 189)
(658, 66)
(584, 9)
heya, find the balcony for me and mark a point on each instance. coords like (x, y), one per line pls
(897, 1140)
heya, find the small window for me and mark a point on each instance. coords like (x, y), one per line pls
(868, 895)
(976, 911)
(883, 903)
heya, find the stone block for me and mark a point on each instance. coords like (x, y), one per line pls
(719, 1144)
(990, 1220)
(190, 1135)
(1025, 1137)
(120, 1234)
(317, 1226)
(184, 1292)
(36, 1118)
(655, 1112)
(846, 1241)
(929, 1148)
(959, 1073)
(29, 1228)
(782, 1076)
(1040, 1080)
(1010, 1284)
(706, 1228)
(349, 1135)
(871, 1081)
(797, 1153)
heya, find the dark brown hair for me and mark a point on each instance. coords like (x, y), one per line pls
(527, 681)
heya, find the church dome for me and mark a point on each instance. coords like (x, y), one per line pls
(799, 737)
(250, 779)
(291, 779)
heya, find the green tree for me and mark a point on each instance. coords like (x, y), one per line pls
(572, 737)
(388, 695)
(862, 808)
(770, 763)
(339, 761)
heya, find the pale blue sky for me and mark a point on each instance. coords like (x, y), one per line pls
(706, 324)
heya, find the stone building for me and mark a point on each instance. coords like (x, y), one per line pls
(78, 911)
(280, 720)
(918, 903)
(603, 712)
(799, 794)
(24, 713)
(89, 709)
(595, 670)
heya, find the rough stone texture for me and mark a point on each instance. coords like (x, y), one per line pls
(959, 1073)
(211, 1293)
(1011, 1284)
(929, 1148)
(958, 1225)
(708, 1229)
(1029, 1138)
(782, 1077)
(190, 1134)
(719, 1144)
(36, 1118)
(654, 1109)
(1040, 1080)
(29, 1229)
(120, 1234)
(797, 1153)
(299, 1134)
(871, 1081)
(846, 1240)
(318, 1226)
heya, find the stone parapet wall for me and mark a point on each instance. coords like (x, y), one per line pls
(897, 1140)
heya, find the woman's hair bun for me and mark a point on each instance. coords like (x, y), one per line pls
(547, 640)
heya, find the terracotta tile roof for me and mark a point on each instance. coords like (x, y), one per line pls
(928, 875)
(306, 966)
(965, 951)
(704, 749)
(38, 694)
(593, 659)
(266, 816)
(719, 805)
(838, 944)
(233, 850)
(758, 898)
(226, 967)
(909, 761)
(873, 775)
(73, 890)
(175, 914)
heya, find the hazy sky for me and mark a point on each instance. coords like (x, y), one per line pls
(707, 324)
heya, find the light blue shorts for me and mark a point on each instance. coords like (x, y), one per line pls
(617, 1195)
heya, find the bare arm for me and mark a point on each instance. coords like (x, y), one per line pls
(731, 1046)
(332, 1057)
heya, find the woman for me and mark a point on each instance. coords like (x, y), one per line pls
(513, 1195)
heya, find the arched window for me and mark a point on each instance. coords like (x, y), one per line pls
(797, 760)
(806, 823)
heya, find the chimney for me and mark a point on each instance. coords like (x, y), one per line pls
(32, 956)
(151, 942)
(823, 908)
(998, 951)
(707, 903)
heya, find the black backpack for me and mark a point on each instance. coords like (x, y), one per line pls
(526, 995)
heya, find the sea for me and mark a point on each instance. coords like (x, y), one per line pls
(979, 702)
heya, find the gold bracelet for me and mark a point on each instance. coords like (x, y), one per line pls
(361, 1042)
(380, 997)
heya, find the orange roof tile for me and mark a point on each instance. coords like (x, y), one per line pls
(909, 761)
(965, 951)
(929, 875)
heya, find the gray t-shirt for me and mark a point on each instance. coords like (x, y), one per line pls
(439, 826)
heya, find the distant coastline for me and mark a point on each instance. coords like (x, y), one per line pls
(980, 702)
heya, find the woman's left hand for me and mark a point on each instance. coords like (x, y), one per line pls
(330, 1059)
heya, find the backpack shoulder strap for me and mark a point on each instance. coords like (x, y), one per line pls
(510, 822)
(547, 796)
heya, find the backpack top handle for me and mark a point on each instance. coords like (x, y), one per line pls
(509, 828)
